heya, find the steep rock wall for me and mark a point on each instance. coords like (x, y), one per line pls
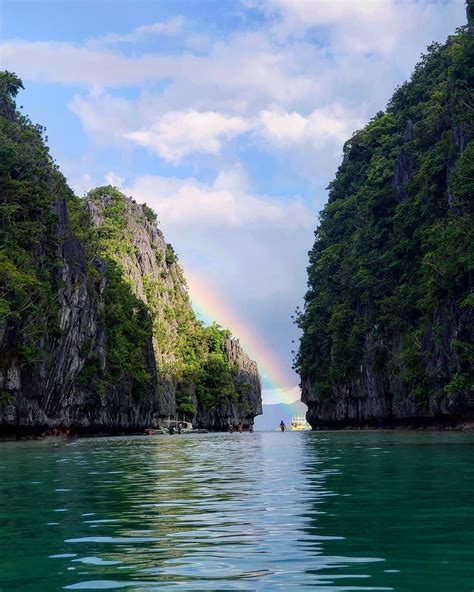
(388, 318)
(60, 391)
(239, 411)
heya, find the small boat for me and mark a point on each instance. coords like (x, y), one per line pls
(173, 426)
(299, 424)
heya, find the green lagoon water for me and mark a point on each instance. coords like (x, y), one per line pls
(263, 511)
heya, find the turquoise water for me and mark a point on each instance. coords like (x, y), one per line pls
(263, 511)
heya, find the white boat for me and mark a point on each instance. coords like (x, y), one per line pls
(175, 426)
(299, 424)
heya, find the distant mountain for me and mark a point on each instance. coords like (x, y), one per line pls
(273, 414)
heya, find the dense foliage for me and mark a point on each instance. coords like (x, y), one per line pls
(30, 185)
(391, 267)
(189, 354)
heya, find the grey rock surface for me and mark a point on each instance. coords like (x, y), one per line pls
(47, 394)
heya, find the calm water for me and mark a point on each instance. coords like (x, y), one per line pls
(263, 511)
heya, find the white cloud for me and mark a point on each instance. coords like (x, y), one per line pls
(255, 68)
(198, 42)
(227, 202)
(81, 183)
(66, 63)
(363, 27)
(113, 179)
(174, 135)
(170, 28)
(106, 118)
(246, 70)
(178, 133)
(305, 93)
(308, 13)
(326, 126)
(283, 127)
(272, 396)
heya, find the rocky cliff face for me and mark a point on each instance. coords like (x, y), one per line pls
(71, 387)
(235, 412)
(75, 384)
(97, 333)
(374, 398)
(388, 319)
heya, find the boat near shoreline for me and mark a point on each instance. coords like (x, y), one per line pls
(174, 426)
(299, 424)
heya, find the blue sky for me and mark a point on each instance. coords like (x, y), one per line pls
(227, 117)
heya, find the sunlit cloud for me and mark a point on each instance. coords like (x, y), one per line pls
(178, 133)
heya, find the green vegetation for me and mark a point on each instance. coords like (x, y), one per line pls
(140, 316)
(189, 354)
(30, 185)
(150, 214)
(203, 364)
(128, 328)
(217, 379)
(111, 239)
(170, 256)
(390, 272)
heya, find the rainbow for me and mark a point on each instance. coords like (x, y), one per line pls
(278, 385)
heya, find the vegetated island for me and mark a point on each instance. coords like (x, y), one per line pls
(97, 333)
(388, 320)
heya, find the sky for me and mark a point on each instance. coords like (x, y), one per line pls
(228, 118)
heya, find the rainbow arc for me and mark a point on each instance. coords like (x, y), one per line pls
(211, 306)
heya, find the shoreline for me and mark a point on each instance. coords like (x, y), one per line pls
(438, 424)
(37, 435)
(26, 433)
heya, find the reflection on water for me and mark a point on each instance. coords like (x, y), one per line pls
(263, 511)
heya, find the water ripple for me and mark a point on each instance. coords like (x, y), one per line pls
(336, 512)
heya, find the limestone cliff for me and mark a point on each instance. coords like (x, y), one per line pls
(388, 318)
(97, 333)
(240, 411)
